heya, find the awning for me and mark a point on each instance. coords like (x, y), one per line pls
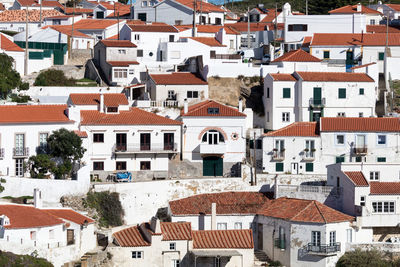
(215, 253)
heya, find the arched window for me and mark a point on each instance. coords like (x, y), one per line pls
(213, 137)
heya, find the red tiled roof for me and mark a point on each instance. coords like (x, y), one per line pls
(118, 43)
(208, 28)
(134, 116)
(306, 41)
(395, 7)
(8, 45)
(226, 202)
(35, 3)
(120, 10)
(355, 39)
(239, 239)
(70, 10)
(309, 129)
(384, 188)
(352, 9)
(176, 231)
(69, 215)
(2, 7)
(254, 27)
(10, 114)
(152, 28)
(27, 217)
(81, 134)
(334, 77)
(270, 16)
(298, 55)
(381, 29)
(33, 15)
(177, 78)
(302, 210)
(210, 41)
(203, 7)
(360, 124)
(201, 110)
(130, 237)
(122, 63)
(357, 178)
(282, 77)
(114, 37)
(363, 66)
(110, 100)
(95, 24)
(67, 30)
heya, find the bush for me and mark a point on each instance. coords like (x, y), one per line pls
(254, 79)
(107, 206)
(40, 165)
(359, 258)
(20, 99)
(274, 263)
(240, 77)
(53, 77)
(11, 259)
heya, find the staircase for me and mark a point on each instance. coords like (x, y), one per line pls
(260, 258)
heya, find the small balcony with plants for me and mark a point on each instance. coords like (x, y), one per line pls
(323, 249)
(309, 154)
(278, 154)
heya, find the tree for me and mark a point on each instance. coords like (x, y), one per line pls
(9, 78)
(53, 77)
(40, 165)
(358, 258)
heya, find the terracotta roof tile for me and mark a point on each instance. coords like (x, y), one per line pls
(176, 231)
(130, 237)
(394, 6)
(357, 178)
(10, 114)
(381, 29)
(152, 28)
(20, 15)
(270, 15)
(204, 7)
(122, 63)
(134, 116)
(2, 7)
(201, 110)
(363, 66)
(352, 9)
(210, 41)
(384, 188)
(227, 203)
(8, 45)
(309, 129)
(334, 77)
(209, 28)
(360, 124)
(120, 10)
(306, 41)
(95, 24)
(35, 3)
(355, 39)
(27, 217)
(177, 78)
(298, 55)
(118, 43)
(81, 134)
(70, 10)
(69, 215)
(282, 77)
(254, 27)
(239, 239)
(302, 210)
(110, 100)
(67, 30)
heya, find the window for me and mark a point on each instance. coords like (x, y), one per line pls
(120, 73)
(137, 254)
(360, 159)
(231, 44)
(339, 139)
(362, 201)
(213, 110)
(192, 94)
(340, 159)
(383, 207)
(131, 71)
(112, 109)
(309, 151)
(144, 3)
(98, 138)
(168, 141)
(326, 54)
(43, 140)
(145, 165)
(267, 92)
(286, 92)
(176, 263)
(309, 167)
(381, 139)
(178, 22)
(99, 37)
(349, 234)
(21, 29)
(258, 144)
(361, 91)
(297, 27)
(381, 159)
(374, 176)
(98, 166)
(139, 53)
(120, 165)
(332, 238)
(342, 93)
(361, 114)
(33, 235)
(285, 116)
(341, 114)
(316, 238)
(137, 38)
(172, 246)
(222, 226)
(217, 262)
(171, 95)
(145, 141)
(279, 167)
(19, 167)
(372, 22)
(172, 38)
(51, 234)
(381, 55)
(213, 137)
(238, 225)
(122, 51)
(151, 54)
(267, 116)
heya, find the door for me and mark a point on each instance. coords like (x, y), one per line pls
(70, 237)
(121, 141)
(145, 141)
(260, 236)
(317, 96)
(58, 57)
(19, 167)
(360, 142)
(295, 168)
(212, 166)
(168, 141)
(19, 144)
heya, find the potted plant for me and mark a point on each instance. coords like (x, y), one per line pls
(306, 149)
(313, 150)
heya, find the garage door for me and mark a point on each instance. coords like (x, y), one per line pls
(212, 166)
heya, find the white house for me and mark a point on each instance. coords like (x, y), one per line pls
(62, 19)
(13, 50)
(373, 16)
(214, 138)
(117, 59)
(307, 96)
(232, 210)
(99, 29)
(300, 232)
(143, 10)
(177, 86)
(388, 10)
(35, 4)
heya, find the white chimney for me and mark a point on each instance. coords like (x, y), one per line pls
(240, 108)
(37, 198)
(213, 216)
(101, 107)
(155, 225)
(185, 106)
(359, 7)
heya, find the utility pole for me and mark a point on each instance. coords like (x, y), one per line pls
(40, 16)
(386, 74)
(254, 158)
(72, 31)
(201, 13)
(26, 44)
(194, 18)
(306, 7)
(118, 24)
(248, 28)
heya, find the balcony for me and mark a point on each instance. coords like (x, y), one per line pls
(145, 148)
(2, 153)
(309, 155)
(21, 152)
(217, 149)
(323, 250)
(317, 102)
(278, 155)
(360, 150)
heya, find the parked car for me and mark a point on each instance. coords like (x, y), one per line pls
(266, 59)
(247, 55)
(123, 177)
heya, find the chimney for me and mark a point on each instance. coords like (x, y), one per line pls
(101, 107)
(240, 108)
(155, 225)
(213, 216)
(359, 7)
(39, 2)
(37, 198)
(185, 106)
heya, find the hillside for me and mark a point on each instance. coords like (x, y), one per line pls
(8, 259)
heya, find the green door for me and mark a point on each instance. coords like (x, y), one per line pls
(58, 57)
(317, 96)
(212, 166)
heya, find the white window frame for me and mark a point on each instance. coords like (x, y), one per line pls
(122, 51)
(120, 73)
(361, 114)
(363, 201)
(332, 238)
(341, 114)
(374, 175)
(316, 238)
(172, 246)
(238, 225)
(381, 206)
(377, 139)
(285, 116)
(222, 226)
(336, 139)
(137, 255)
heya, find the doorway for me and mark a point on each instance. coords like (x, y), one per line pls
(212, 166)
(121, 141)
(295, 168)
(260, 236)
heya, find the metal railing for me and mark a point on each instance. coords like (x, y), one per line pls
(326, 190)
(309, 155)
(360, 150)
(166, 103)
(21, 151)
(317, 102)
(145, 147)
(278, 155)
(323, 249)
(226, 56)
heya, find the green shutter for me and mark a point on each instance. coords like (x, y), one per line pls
(381, 159)
(381, 55)
(342, 92)
(309, 167)
(358, 159)
(326, 55)
(361, 91)
(339, 159)
(286, 92)
(35, 55)
(279, 167)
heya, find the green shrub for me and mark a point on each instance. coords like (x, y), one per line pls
(240, 77)
(274, 263)
(20, 99)
(53, 77)
(359, 258)
(254, 79)
(14, 260)
(107, 206)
